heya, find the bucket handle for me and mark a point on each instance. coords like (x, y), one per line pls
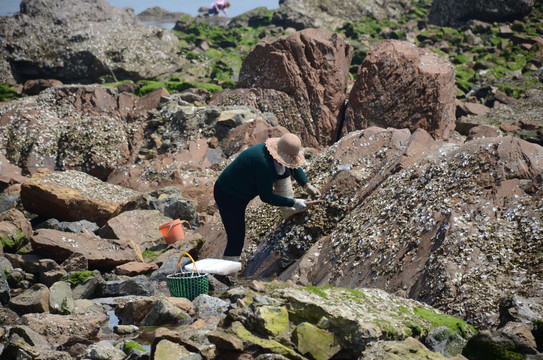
(171, 224)
(194, 269)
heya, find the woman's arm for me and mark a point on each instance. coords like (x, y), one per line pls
(300, 177)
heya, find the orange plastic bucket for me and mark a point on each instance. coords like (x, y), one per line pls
(172, 232)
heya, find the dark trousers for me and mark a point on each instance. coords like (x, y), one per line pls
(232, 210)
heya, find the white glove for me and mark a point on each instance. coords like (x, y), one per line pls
(313, 191)
(299, 204)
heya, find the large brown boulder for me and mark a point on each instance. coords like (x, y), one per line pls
(65, 330)
(100, 253)
(139, 226)
(73, 196)
(402, 86)
(459, 229)
(312, 67)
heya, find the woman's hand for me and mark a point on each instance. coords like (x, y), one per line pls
(313, 191)
(299, 204)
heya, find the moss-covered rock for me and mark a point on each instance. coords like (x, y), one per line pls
(272, 320)
(11, 239)
(336, 319)
(318, 343)
(8, 93)
(409, 349)
(133, 345)
(78, 277)
(264, 345)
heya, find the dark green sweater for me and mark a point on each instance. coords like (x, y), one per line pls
(252, 173)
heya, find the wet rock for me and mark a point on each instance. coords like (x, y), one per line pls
(138, 285)
(79, 45)
(402, 86)
(139, 226)
(61, 300)
(317, 62)
(100, 253)
(33, 300)
(454, 13)
(74, 196)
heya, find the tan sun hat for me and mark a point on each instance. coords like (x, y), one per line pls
(287, 150)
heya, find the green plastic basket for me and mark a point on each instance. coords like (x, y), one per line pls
(187, 284)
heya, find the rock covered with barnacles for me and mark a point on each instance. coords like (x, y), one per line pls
(458, 228)
(361, 160)
(86, 128)
(83, 42)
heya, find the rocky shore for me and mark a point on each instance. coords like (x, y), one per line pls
(422, 126)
